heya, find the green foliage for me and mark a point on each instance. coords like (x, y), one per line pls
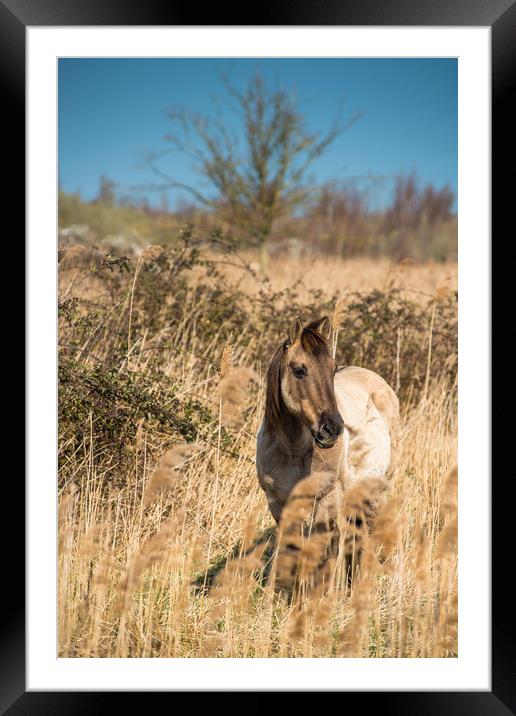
(112, 403)
(104, 220)
(351, 231)
(391, 334)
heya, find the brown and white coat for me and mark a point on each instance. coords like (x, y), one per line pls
(318, 418)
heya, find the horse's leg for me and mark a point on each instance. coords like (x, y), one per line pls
(357, 521)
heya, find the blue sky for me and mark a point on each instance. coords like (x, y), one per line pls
(112, 111)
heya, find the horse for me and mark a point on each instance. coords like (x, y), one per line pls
(321, 420)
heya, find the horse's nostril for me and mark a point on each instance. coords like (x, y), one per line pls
(331, 427)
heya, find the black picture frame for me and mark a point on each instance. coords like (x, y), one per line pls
(500, 15)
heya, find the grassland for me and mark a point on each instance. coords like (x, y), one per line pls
(163, 529)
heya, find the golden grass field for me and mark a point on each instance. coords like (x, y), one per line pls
(161, 541)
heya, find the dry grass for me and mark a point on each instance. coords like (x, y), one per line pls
(177, 556)
(327, 273)
(336, 275)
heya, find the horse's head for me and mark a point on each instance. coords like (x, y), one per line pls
(300, 382)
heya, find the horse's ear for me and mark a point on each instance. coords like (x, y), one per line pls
(322, 326)
(295, 330)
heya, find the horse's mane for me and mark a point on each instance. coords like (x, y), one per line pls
(314, 344)
(312, 341)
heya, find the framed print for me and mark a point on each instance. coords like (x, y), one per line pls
(258, 356)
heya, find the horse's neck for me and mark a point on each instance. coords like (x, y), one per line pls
(294, 437)
(297, 451)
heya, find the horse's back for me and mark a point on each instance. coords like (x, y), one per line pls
(362, 380)
(370, 410)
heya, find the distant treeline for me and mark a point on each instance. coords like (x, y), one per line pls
(419, 222)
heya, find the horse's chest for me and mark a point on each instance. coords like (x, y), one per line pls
(279, 472)
(284, 477)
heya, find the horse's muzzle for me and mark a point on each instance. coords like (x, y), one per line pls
(330, 429)
(325, 444)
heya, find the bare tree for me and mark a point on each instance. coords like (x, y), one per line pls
(258, 173)
(413, 206)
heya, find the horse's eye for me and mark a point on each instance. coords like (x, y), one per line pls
(299, 371)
